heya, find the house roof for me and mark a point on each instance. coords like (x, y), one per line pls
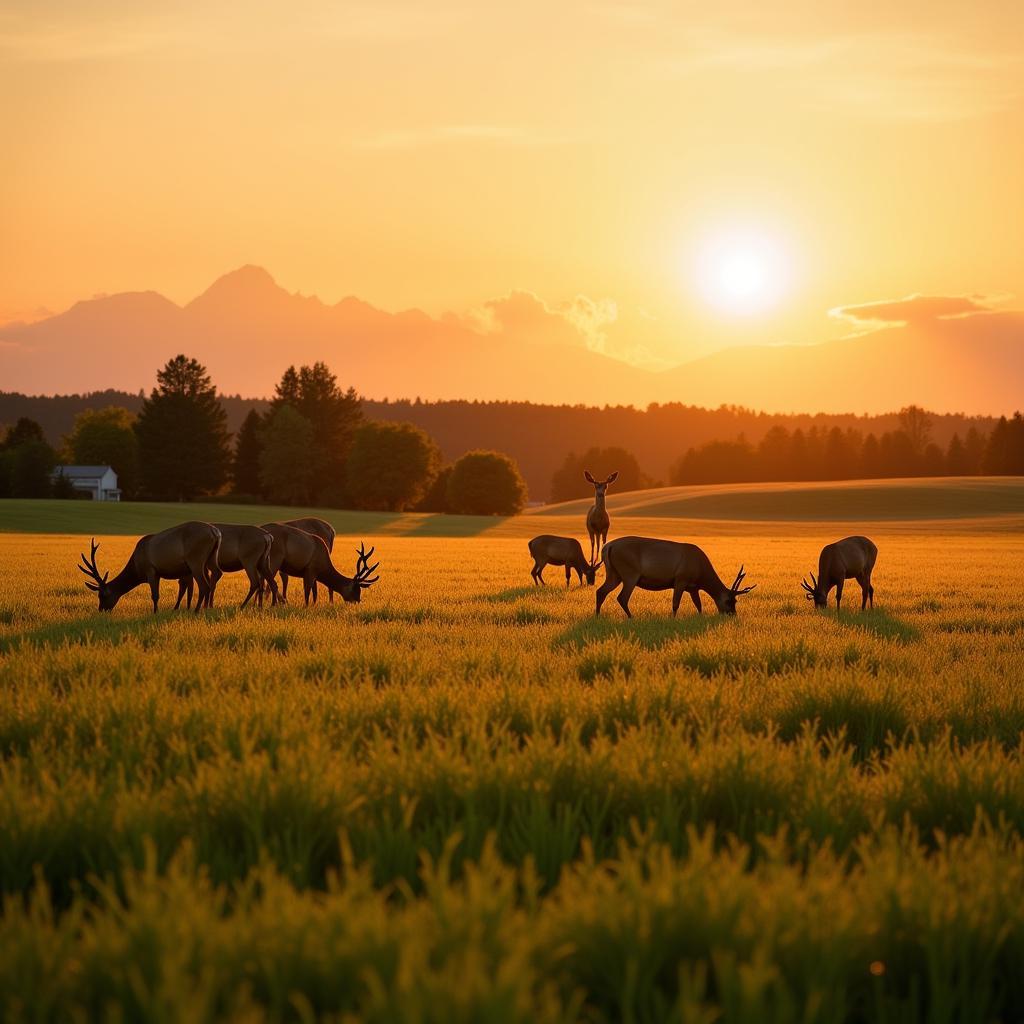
(83, 472)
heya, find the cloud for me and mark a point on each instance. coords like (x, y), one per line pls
(599, 325)
(912, 309)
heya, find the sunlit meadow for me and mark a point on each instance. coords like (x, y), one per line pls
(467, 799)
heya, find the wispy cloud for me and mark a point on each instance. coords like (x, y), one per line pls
(913, 309)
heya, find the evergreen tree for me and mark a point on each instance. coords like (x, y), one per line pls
(997, 450)
(334, 415)
(975, 444)
(871, 458)
(286, 471)
(22, 432)
(956, 457)
(183, 436)
(245, 466)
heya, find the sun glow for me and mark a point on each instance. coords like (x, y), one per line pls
(742, 271)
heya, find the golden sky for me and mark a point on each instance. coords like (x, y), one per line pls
(444, 155)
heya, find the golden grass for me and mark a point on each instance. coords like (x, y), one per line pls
(466, 798)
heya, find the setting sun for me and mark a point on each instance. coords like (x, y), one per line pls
(742, 271)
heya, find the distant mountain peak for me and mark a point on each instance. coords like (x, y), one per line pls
(247, 284)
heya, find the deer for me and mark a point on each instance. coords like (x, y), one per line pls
(851, 558)
(186, 550)
(297, 553)
(242, 549)
(319, 528)
(597, 518)
(549, 550)
(665, 565)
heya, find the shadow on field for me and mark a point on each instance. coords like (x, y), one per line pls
(444, 525)
(880, 623)
(106, 629)
(648, 633)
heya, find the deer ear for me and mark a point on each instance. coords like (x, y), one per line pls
(612, 478)
(92, 586)
(586, 473)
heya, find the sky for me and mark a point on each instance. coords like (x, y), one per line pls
(681, 177)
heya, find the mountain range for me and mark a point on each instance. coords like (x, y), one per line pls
(246, 329)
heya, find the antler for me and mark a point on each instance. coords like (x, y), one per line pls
(735, 588)
(363, 575)
(809, 587)
(88, 567)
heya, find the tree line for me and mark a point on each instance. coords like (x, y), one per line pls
(311, 446)
(836, 454)
(538, 437)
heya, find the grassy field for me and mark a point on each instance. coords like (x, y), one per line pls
(467, 799)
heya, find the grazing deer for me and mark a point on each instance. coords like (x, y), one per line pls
(851, 558)
(597, 518)
(664, 565)
(319, 528)
(297, 553)
(242, 549)
(188, 550)
(548, 550)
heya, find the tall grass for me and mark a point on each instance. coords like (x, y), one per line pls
(466, 799)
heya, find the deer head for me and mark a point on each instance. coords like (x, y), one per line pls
(590, 572)
(601, 486)
(727, 601)
(815, 592)
(363, 578)
(99, 585)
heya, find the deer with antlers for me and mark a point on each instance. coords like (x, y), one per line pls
(242, 549)
(852, 558)
(598, 520)
(665, 565)
(297, 553)
(550, 550)
(189, 550)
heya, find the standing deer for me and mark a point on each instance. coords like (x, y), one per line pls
(851, 558)
(297, 553)
(598, 521)
(665, 565)
(188, 550)
(242, 549)
(549, 550)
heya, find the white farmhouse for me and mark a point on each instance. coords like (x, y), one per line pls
(100, 482)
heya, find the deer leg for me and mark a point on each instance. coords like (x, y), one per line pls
(677, 596)
(568, 576)
(214, 578)
(865, 588)
(284, 587)
(154, 590)
(839, 594)
(255, 586)
(183, 585)
(695, 598)
(871, 593)
(611, 580)
(199, 572)
(624, 595)
(534, 573)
